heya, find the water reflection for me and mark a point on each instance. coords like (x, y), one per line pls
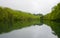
(55, 27)
(34, 29)
(7, 27)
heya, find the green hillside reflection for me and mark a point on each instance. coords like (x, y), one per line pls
(55, 27)
(7, 27)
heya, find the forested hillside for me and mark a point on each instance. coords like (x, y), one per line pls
(54, 14)
(10, 15)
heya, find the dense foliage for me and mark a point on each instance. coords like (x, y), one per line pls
(55, 13)
(15, 19)
(9, 15)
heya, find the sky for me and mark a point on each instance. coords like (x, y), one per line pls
(31, 6)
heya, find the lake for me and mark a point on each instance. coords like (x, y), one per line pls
(46, 29)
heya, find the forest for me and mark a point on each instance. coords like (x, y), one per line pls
(10, 15)
(11, 19)
(14, 19)
(54, 15)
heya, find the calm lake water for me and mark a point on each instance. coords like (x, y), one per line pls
(42, 30)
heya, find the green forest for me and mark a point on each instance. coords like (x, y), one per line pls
(14, 19)
(11, 19)
(10, 15)
(54, 15)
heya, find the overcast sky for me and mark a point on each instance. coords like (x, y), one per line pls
(33, 6)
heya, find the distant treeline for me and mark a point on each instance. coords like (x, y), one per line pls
(10, 15)
(54, 14)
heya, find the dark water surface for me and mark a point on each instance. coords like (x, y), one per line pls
(46, 29)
